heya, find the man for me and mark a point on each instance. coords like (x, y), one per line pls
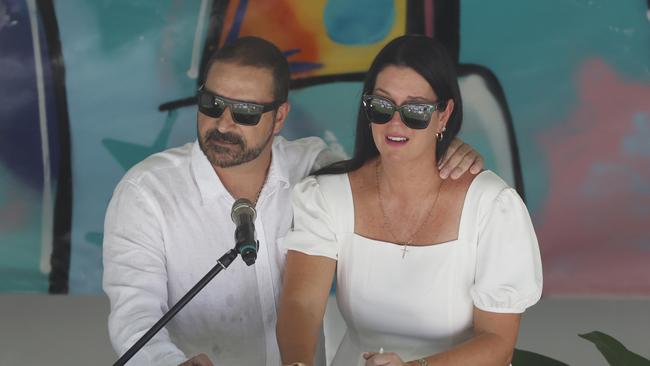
(169, 219)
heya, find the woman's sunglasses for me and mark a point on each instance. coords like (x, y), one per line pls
(414, 115)
(243, 113)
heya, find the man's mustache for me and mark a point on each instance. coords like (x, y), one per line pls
(216, 136)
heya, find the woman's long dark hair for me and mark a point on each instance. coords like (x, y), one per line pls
(430, 59)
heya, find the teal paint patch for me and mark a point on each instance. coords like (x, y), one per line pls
(128, 154)
(358, 22)
(118, 21)
(95, 238)
(118, 72)
(326, 110)
(20, 237)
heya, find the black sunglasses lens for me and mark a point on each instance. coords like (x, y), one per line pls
(416, 124)
(246, 119)
(378, 110)
(210, 106)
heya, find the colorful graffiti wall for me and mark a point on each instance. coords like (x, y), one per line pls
(556, 94)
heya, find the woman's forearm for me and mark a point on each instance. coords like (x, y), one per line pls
(298, 332)
(484, 349)
(305, 288)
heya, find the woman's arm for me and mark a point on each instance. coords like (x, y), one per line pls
(495, 335)
(305, 289)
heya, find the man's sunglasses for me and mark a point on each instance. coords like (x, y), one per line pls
(414, 115)
(243, 113)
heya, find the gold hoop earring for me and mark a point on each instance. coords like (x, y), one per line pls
(440, 135)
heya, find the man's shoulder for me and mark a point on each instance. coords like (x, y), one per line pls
(305, 155)
(160, 163)
(310, 146)
(297, 157)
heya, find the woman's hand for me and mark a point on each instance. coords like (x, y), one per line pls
(198, 360)
(384, 359)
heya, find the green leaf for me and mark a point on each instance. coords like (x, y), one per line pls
(527, 358)
(615, 353)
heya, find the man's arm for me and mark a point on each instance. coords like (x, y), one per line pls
(135, 276)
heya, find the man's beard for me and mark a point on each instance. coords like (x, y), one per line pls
(235, 153)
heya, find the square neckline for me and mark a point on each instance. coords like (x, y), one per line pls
(462, 223)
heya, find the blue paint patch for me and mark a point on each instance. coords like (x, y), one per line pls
(358, 22)
(303, 66)
(19, 107)
(642, 188)
(643, 244)
(593, 188)
(300, 66)
(291, 52)
(239, 19)
(638, 143)
(595, 185)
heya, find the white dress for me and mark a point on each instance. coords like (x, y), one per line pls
(420, 304)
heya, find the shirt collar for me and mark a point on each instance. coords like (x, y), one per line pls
(279, 170)
(211, 186)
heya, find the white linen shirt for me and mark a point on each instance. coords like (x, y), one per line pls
(167, 225)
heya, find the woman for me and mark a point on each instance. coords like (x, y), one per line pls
(429, 271)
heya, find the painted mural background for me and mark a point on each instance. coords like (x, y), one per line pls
(557, 98)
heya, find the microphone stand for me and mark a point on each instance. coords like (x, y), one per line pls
(222, 263)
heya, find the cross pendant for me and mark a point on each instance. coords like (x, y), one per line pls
(403, 250)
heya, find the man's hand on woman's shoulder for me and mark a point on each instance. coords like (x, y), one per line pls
(460, 158)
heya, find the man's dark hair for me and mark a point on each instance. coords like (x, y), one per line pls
(257, 52)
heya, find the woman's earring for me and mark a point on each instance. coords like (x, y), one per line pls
(439, 135)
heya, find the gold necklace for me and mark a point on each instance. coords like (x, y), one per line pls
(259, 191)
(387, 222)
(257, 197)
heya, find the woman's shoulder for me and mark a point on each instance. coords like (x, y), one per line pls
(353, 178)
(330, 186)
(483, 184)
(486, 188)
(327, 179)
(488, 182)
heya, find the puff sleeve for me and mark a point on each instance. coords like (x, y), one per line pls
(313, 231)
(508, 265)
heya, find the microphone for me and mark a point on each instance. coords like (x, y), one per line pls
(243, 215)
